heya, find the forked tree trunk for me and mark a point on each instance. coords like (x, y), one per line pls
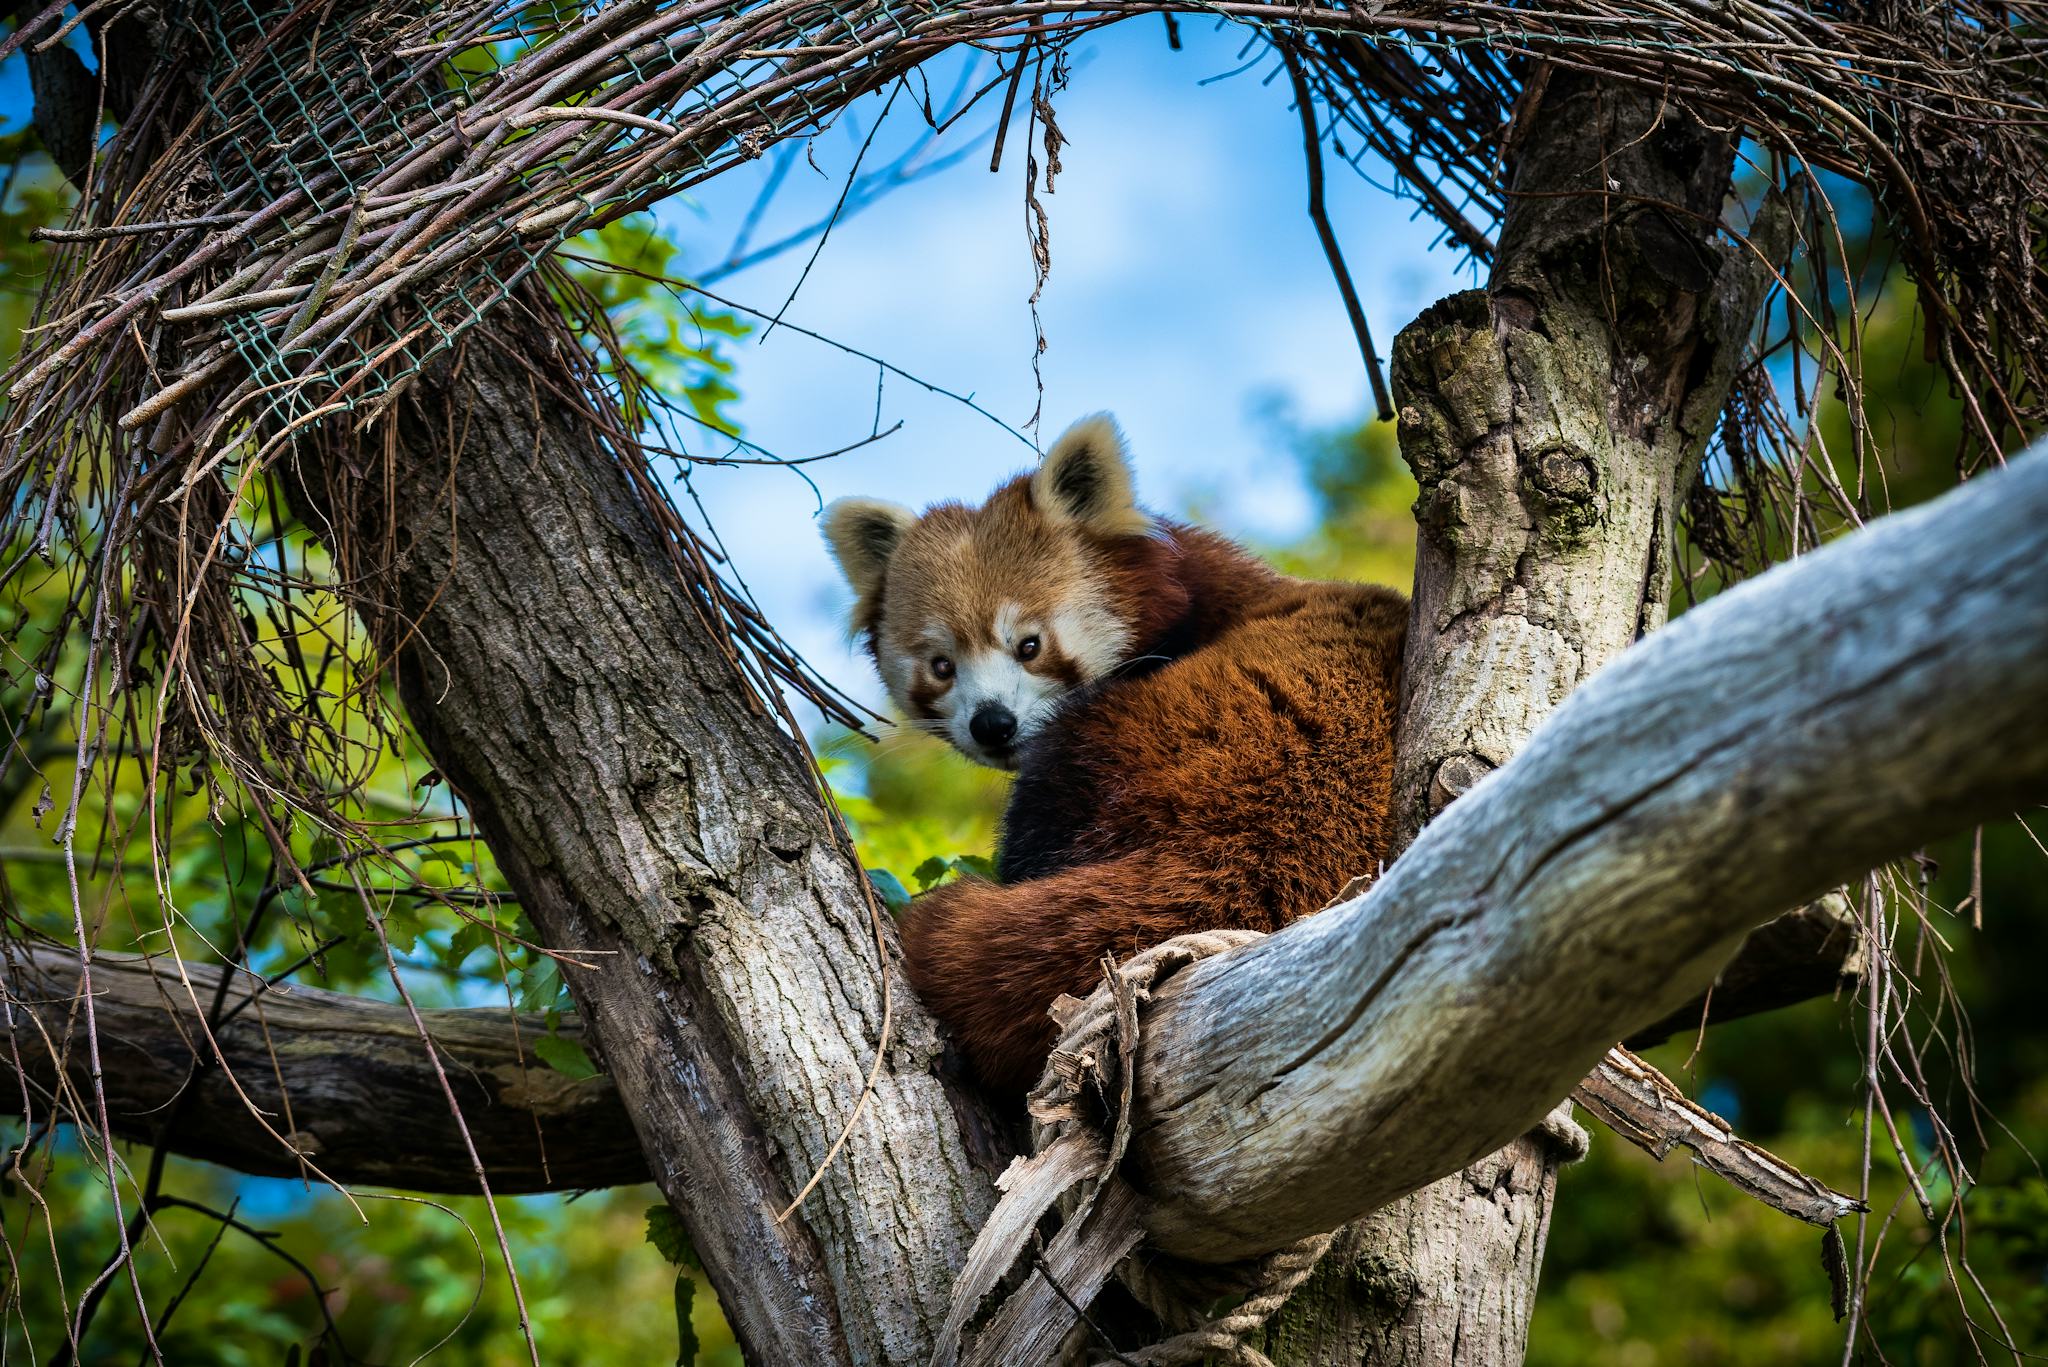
(1553, 421)
(657, 829)
(664, 833)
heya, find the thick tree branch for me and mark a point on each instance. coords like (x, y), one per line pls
(1816, 951)
(350, 1073)
(345, 1077)
(572, 679)
(1794, 731)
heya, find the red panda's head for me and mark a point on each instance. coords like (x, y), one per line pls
(981, 619)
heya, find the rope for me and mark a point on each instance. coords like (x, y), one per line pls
(1090, 1072)
(1273, 1280)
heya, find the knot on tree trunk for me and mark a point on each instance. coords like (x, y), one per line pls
(1081, 1113)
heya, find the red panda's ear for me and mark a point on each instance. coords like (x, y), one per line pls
(1086, 479)
(862, 533)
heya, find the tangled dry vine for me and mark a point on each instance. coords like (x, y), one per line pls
(356, 186)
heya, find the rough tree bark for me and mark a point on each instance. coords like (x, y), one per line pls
(1794, 732)
(657, 827)
(342, 1076)
(654, 824)
(1873, 694)
(1553, 421)
(348, 1080)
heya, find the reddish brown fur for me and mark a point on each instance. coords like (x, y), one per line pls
(1243, 783)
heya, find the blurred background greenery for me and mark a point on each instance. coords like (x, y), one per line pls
(1648, 1263)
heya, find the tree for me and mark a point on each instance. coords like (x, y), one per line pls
(396, 367)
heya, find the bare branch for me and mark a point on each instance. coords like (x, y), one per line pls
(330, 1052)
(1646, 1108)
(364, 1101)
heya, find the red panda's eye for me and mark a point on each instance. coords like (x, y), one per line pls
(1027, 649)
(942, 668)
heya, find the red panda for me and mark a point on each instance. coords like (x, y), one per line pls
(1199, 741)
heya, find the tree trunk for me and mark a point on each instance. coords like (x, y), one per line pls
(1869, 696)
(657, 827)
(661, 830)
(1553, 422)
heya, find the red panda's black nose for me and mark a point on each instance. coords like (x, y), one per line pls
(993, 725)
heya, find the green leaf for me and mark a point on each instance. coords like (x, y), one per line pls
(538, 986)
(467, 940)
(565, 1056)
(981, 866)
(931, 871)
(402, 927)
(329, 913)
(665, 1231)
(894, 895)
(862, 813)
(298, 904)
(686, 1332)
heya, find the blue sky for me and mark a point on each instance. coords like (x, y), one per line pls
(1187, 294)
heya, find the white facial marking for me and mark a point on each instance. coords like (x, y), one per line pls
(897, 672)
(1089, 635)
(996, 678)
(1092, 637)
(1007, 630)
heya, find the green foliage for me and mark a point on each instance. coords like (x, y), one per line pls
(939, 869)
(1661, 1263)
(1366, 497)
(1915, 418)
(1648, 1263)
(919, 812)
(890, 889)
(540, 986)
(398, 1274)
(686, 1330)
(399, 1279)
(1652, 1264)
(565, 1056)
(666, 1233)
(32, 195)
(671, 341)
